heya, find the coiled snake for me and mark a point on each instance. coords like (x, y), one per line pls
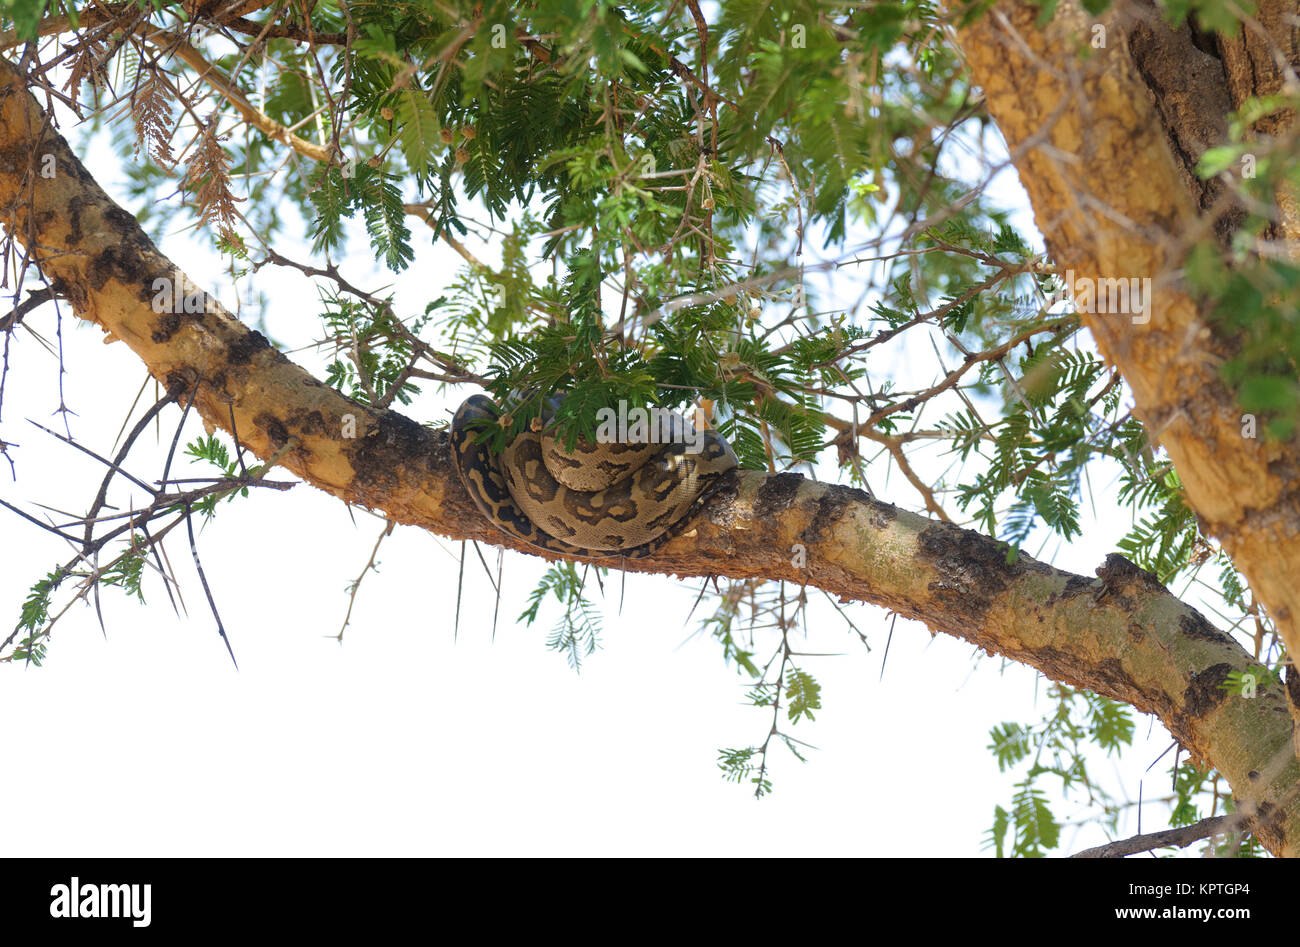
(605, 499)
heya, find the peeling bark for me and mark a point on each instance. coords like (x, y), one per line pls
(1111, 200)
(1122, 634)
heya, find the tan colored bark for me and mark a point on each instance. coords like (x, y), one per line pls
(1110, 200)
(1122, 635)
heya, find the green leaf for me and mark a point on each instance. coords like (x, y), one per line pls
(419, 129)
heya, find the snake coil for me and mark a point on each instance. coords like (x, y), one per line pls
(611, 498)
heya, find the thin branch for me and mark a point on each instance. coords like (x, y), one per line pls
(177, 44)
(356, 583)
(1170, 838)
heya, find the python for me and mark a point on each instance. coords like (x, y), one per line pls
(649, 426)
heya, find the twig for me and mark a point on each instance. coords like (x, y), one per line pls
(356, 584)
(1171, 838)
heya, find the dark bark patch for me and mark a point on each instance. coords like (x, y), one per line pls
(20, 157)
(1112, 675)
(390, 446)
(1119, 573)
(132, 260)
(242, 350)
(123, 222)
(776, 494)
(168, 325)
(720, 507)
(75, 232)
(275, 430)
(1203, 693)
(72, 292)
(125, 264)
(1120, 577)
(180, 382)
(971, 569)
(1075, 585)
(308, 422)
(1196, 626)
(882, 514)
(1292, 684)
(830, 507)
(69, 163)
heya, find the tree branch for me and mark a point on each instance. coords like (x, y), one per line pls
(177, 44)
(1180, 837)
(106, 13)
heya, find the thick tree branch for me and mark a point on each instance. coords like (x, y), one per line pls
(1122, 635)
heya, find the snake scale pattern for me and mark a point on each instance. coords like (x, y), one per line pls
(601, 500)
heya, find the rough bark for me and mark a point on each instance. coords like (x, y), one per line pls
(1189, 91)
(1260, 60)
(1122, 634)
(1112, 199)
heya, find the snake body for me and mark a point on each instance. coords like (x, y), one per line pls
(599, 500)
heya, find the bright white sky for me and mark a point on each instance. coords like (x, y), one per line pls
(405, 740)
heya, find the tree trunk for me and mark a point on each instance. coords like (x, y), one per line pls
(1105, 145)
